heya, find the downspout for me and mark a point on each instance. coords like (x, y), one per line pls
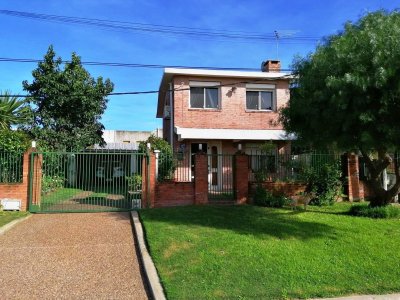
(171, 98)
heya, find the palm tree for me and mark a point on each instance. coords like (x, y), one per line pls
(13, 111)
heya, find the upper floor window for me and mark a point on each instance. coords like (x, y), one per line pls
(260, 97)
(204, 95)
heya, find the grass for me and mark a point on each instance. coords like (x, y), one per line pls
(248, 252)
(60, 195)
(90, 198)
(8, 216)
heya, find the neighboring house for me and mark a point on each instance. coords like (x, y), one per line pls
(125, 139)
(221, 111)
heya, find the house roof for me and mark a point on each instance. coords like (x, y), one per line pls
(231, 134)
(169, 73)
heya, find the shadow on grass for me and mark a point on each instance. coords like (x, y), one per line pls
(246, 220)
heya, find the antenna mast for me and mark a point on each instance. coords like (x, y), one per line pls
(277, 43)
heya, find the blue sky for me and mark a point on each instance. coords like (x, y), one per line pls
(28, 38)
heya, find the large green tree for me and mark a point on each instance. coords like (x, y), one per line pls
(67, 103)
(13, 111)
(347, 95)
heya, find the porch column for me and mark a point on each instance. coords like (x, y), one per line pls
(200, 179)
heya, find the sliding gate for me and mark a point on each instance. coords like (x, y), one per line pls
(85, 181)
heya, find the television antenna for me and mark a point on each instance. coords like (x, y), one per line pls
(282, 34)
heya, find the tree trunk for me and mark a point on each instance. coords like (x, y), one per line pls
(376, 167)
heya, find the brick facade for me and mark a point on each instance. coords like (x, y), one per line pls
(232, 113)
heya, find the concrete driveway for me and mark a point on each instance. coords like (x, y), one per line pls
(70, 256)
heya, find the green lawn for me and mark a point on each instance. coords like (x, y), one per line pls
(248, 252)
(8, 216)
(59, 196)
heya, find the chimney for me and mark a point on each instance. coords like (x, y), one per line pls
(271, 66)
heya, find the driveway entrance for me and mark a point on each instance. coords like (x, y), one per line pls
(71, 256)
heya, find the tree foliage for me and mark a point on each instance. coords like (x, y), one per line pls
(347, 95)
(13, 111)
(67, 103)
(13, 141)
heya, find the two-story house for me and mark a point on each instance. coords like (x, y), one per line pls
(222, 111)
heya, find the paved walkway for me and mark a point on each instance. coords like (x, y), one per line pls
(70, 256)
(367, 297)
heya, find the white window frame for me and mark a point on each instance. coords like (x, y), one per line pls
(261, 88)
(204, 85)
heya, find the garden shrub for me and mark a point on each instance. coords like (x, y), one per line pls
(262, 197)
(382, 212)
(166, 160)
(51, 183)
(134, 182)
(325, 182)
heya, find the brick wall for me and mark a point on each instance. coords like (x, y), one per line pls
(19, 191)
(172, 193)
(233, 114)
(287, 189)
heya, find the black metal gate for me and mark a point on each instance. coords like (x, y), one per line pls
(220, 177)
(85, 181)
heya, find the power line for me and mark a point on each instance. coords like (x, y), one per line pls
(161, 29)
(288, 76)
(130, 65)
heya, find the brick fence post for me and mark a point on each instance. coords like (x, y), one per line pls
(37, 173)
(241, 177)
(201, 179)
(356, 191)
(148, 180)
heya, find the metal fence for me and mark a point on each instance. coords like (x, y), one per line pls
(220, 177)
(11, 166)
(177, 166)
(285, 167)
(85, 181)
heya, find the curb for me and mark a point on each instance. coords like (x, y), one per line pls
(10, 225)
(155, 286)
(365, 297)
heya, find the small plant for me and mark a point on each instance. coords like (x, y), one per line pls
(134, 182)
(52, 183)
(382, 212)
(262, 197)
(325, 183)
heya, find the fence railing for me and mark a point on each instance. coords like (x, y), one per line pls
(11, 165)
(177, 166)
(285, 167)
(220, 176)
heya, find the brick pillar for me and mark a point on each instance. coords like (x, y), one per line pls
(37, 173)
(201, 179)
(356, 191)
(148, 181)
(241, 177)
